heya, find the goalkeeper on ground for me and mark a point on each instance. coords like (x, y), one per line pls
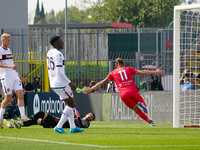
(49, 121)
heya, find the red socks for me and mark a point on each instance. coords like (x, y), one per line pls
(142, 115)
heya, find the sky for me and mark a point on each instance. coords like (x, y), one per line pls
(56, 5)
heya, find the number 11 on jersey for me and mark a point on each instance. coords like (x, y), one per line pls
(123, 72)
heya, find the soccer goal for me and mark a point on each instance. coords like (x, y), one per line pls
(186, 47)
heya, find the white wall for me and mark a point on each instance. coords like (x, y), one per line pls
(167, 82)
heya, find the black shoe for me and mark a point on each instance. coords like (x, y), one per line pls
(151, 123)
(1, 124)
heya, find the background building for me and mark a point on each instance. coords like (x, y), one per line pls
(14, 20)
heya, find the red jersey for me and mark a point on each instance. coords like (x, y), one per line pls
(123, 78)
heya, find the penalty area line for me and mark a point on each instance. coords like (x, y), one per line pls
(89, 145)
(54, 142)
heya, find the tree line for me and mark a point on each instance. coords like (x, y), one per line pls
(140, 13)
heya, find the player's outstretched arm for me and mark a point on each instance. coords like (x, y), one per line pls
(99, 84)
(73, 86)
(20, 76)
(147, 72)
(2, 65)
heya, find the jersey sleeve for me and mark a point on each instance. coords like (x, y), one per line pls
(133, 70)
(83, 123)
(59, 60)
(1, 55)
(59, 67)
(110, 76)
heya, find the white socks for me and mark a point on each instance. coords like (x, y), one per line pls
(67, 114)
(1, 113)
(21, 109)
(22, 112)
(71, 120)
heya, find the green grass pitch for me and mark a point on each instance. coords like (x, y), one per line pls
(102, 135)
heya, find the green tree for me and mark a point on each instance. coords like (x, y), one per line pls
(141, 13)
(37, 13)
(42, 15)
(50, 17)
(74, 15)
(60, 17)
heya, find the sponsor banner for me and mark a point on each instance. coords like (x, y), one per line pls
(159, 105)
(48, 102)
(89, 103)
(106, 106)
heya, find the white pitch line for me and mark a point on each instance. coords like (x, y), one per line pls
(89, 145)
(105, 126)
(46, 141)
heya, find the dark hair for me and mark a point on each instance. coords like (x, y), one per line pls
(187, 74)
(36, 77)
(93, 115)
(54, 39)
(154, 76)
(119, 61)
(92, 83)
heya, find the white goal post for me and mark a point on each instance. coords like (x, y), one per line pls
(186, 48)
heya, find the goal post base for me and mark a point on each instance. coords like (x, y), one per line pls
(191, 126)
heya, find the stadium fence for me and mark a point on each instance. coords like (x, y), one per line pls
(88, 56)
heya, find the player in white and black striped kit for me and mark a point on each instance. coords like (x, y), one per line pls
(61, 85)
(10, 79)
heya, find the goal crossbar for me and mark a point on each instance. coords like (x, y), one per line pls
(186, 7)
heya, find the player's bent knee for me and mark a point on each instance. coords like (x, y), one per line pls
(135, 108)
(19, 94)
(20, 98)
(70, 102)
(71, 105)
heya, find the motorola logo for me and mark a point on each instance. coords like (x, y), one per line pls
(36, 104)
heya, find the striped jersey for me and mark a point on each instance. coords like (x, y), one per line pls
(6, 57)
(56, 69)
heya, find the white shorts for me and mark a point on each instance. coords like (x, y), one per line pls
(64, 93)
(10, 84)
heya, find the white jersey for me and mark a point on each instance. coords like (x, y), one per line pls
(112, 86)
(7, 58)
(56, 69)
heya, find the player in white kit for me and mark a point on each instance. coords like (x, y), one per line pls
(10, 79)
(61, 85)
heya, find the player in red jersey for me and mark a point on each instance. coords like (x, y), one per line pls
(127, 88)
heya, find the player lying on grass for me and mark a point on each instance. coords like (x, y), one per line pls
(49, 121)
(127, 88)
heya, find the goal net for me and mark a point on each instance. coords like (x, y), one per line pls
(186, 92)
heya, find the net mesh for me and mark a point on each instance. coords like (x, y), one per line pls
(190, 60)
